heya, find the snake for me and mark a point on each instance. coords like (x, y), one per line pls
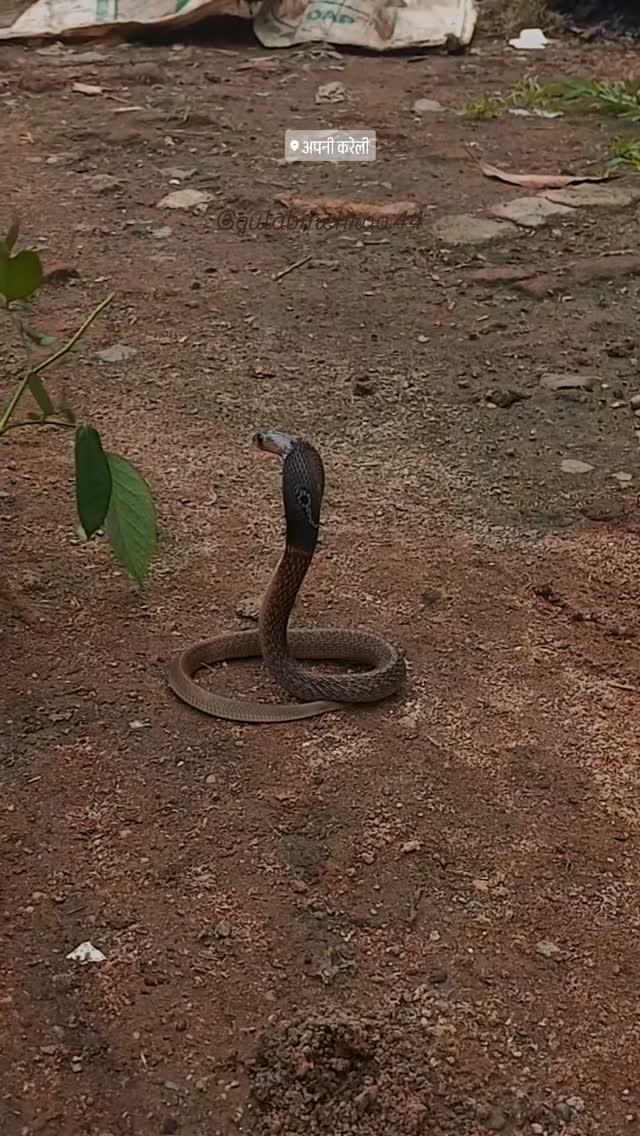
(280, 647)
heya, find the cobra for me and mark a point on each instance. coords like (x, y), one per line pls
(280, 647)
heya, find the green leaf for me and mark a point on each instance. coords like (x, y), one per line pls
(37, 337)
(40, 394)
(9, 241)
(131, 519)
(93, 480)
(20, 275)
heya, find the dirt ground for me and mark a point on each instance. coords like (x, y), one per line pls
(419, 917)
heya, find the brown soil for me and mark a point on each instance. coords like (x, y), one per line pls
(422, 917)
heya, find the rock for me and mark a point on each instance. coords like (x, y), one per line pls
(366, 1098)
(427, 106)
(501, 274)
(580, 272)
(104, 183)
(410, 846)
(60, 273)
(603, 507)
(504, 397)
(565, 1112)
(594, 194)
(531, 212)
(496, 1121)
(622, 477)
(223, 929)
(634, 401)
(185, 199)
(438, 976)
(576, 1103)
(117, 353)
(549, 950)
(465, 229)
(249, 607)
(572, 465)
(331, 93)
(86, 89)
(363, 387)
(553, 380)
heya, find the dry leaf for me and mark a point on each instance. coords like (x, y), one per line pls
(334, 209)
(538, 181)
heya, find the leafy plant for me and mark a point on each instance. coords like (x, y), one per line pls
(625, 152)
(617, 98)
(111, 495)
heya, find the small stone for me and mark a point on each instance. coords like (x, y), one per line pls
(223, 929)
(576, 1103)
(117, 353)
(438, 976)
(531, 212)
(565, 1112)
(185, 199)
(362, 387)
(504, 397)
(603, 507)
(331, 93)
(427, 106)
(465, 229)
(593, 194)
(549, 950)
(537, 1128)
(496, 1121)
(368, 857)
(434, 936)
(622, 477)
(554, 381)
(634, 401)
(249, 607)
(430, 597)
(410, 846)
(86, 89)
(104, 183)
(366, 1098)
(572, 465)
(60, 274)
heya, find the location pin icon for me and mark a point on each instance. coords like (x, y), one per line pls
(294, 144)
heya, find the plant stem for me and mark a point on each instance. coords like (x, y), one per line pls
(40, 423)
(64, 350)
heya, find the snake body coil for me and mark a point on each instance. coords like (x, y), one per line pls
(281, 649)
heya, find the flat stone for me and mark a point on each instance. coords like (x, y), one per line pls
(573, 465)
(556, 381)
(427, 106)
(117, 353)
(607, 196)
(532, 212)
(465, 229)
(549, 950)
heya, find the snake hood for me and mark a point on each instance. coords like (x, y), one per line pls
(302, 487)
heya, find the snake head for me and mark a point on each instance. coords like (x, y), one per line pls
(275, 442)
